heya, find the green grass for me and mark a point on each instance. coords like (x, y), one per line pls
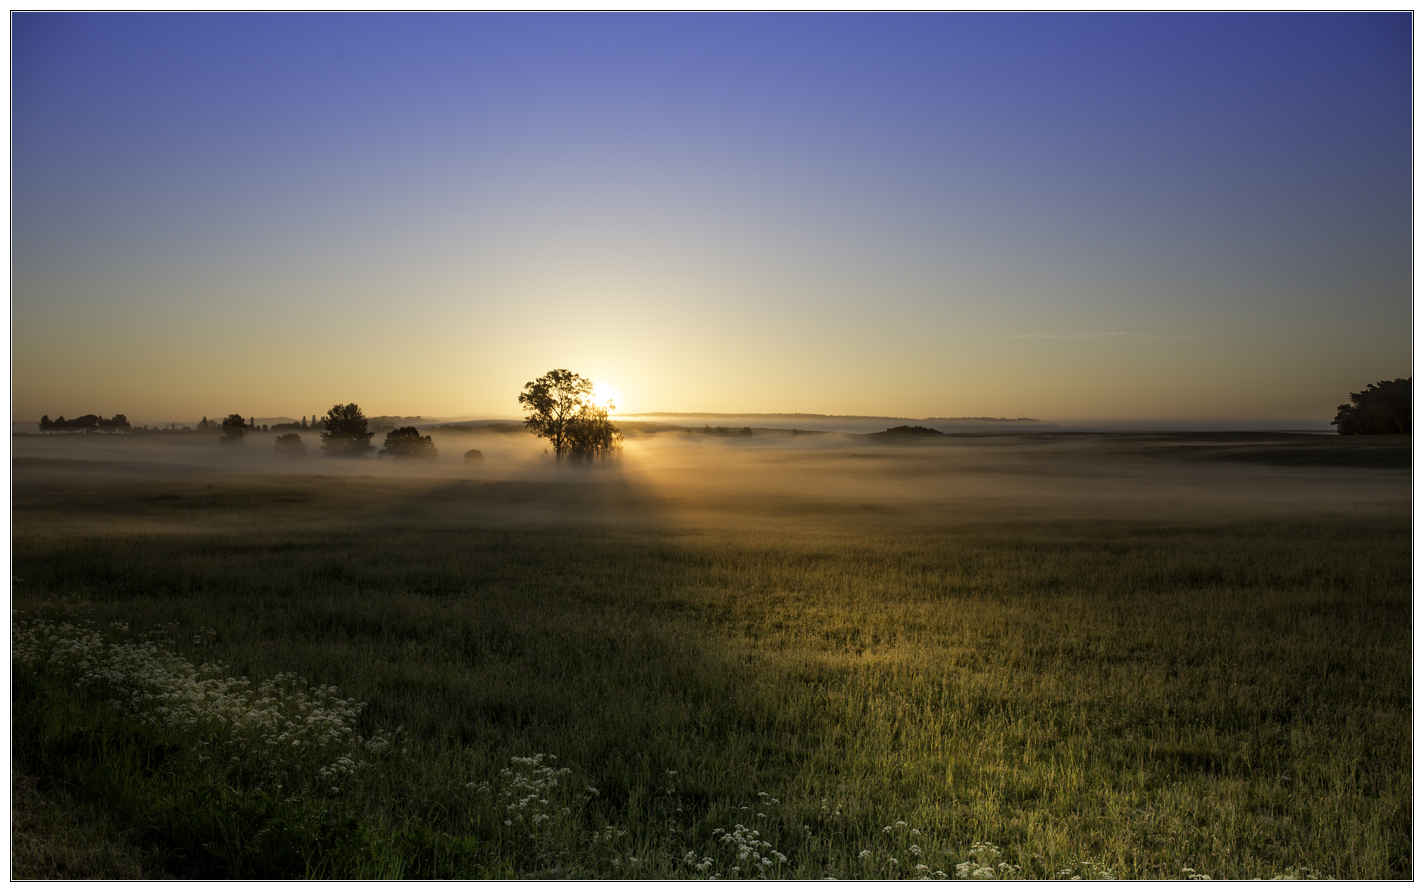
(1217, 680)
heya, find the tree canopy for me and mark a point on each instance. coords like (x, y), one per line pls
(290, 445)
(346, 435)
(406, 442)
(592, 435)
(234, 429)
(1383, 408)
(562, 411)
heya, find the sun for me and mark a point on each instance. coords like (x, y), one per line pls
(605, 393)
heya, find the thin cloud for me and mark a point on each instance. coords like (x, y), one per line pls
(1134, 337)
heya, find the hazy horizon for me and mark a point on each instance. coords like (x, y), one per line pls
(835, 423)
(1147, 218)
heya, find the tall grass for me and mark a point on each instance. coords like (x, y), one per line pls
(625, 693)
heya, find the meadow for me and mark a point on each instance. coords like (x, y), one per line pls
(1014, 656)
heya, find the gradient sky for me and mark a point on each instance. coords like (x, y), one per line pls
(1062, 216)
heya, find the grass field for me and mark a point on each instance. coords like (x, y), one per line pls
(1018, 656)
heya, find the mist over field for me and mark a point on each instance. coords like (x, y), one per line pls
(790, 446)
(1125, 655)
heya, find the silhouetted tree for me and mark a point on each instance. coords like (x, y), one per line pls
(406, 442)
(473, 456)
(234, 429)
(290, 445)
(346, 435)
(553, 401)
(561, 410)
(591, 435)
(1383, 408)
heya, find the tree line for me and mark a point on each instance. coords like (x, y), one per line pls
(86, 423)
(1386, 407)
(560, 405)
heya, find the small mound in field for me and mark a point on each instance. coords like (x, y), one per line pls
(906, 430)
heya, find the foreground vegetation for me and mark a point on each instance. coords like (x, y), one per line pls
(604, 675)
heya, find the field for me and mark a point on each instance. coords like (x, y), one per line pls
(1047, 655)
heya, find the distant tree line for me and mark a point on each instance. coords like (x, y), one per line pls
(560, 405)
(908, 430)
(1386, 407)
(85, 424)
(710, 431)
(228, 426)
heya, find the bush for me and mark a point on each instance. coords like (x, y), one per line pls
(473, 456)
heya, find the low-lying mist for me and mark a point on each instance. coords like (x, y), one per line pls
(780, 475)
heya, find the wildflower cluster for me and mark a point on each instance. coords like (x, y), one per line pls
(1298, 873)
(280, 733)
(1089, 870)
(904, 854)
(749, 854)
(544, 811)
(525, 790)
(754, 854)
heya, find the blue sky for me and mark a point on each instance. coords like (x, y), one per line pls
(1065, 216)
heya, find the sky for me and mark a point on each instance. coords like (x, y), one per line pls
(1050, 215)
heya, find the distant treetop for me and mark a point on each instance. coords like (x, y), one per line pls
(346, 435)
(234, 429)
(406, 442)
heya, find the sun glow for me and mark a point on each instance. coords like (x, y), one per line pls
(605, 393)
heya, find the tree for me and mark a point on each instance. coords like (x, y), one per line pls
(1383, 408)
(592, 435)
(553, 401)
(406, 442)
(290, 445)
(346, 435)
(561, 410)
(234, 429)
